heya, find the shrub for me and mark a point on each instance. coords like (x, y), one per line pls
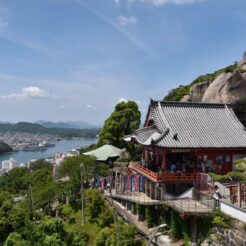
(236, 176)
(80, 239)
(222, 221)
(104, 237)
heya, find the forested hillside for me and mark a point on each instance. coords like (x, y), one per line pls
(4, 148)
(38, 129)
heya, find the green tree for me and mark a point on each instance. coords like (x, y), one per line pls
(52, 240)
(80, 239)
(15, 239)
(105, 237)
(241, 165)
(95, 204)
(14, 181)
(123, 121)
(39, 164)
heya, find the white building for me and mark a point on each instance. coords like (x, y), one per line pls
(7, 165)
(73, 152)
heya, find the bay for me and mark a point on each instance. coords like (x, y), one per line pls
(63, 146)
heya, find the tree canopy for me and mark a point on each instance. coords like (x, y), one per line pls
(123, 121)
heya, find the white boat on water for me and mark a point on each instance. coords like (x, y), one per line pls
(46, 144)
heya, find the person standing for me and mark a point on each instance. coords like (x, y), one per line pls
(217, 196)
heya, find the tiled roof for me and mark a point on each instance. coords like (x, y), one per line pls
(192, 125)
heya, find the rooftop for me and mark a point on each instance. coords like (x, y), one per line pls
(191, 125)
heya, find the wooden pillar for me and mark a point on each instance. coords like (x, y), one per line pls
(115, 180)
(134, 208)
(163, 191)
(193, 223)
(141, 212)
(150, 190)
(128, 205)
(146, 154)
(240, 195)
(164, 161)
(156, 192)
(147, 190)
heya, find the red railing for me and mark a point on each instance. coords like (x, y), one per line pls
(144, 171)
(165, 176)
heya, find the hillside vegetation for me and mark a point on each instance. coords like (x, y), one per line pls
(25, 127)
(47, 212)
(4, 148)
(178, 93)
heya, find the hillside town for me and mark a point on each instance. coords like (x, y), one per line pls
(56, 160)
(27, 141)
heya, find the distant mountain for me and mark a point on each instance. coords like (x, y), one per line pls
(67, 124)
(38, 129)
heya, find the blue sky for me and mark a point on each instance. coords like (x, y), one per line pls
(75, 59)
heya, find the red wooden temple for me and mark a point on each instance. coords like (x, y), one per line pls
(182, 140)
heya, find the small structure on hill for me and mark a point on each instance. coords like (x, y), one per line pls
(106, 153)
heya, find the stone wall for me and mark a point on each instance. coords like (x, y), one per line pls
(226, 237)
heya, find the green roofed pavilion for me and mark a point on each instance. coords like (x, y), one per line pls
(105, 152)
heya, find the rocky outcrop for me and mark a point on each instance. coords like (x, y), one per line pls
(196, 92)
(226, 237)
(228, 88)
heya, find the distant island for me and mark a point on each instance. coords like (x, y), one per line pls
(67, 124)
(25, 127)
(4, 148)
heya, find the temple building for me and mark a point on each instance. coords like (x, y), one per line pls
(183, 141)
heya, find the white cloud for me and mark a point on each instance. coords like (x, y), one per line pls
(89, 106)
(117, 3)
(127, 20)
(122, 99)
(122, 31)
(159, 3)
(3, 18)
(27, 92)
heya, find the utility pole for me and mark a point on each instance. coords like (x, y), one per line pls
(82, 193)
(115, 218)
(32, 201)
(31, 197)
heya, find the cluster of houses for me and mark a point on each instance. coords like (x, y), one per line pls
(8, 165)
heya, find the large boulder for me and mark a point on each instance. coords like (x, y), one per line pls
(196, 92)
(229, 88)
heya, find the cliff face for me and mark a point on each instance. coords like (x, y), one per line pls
(227, 87)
